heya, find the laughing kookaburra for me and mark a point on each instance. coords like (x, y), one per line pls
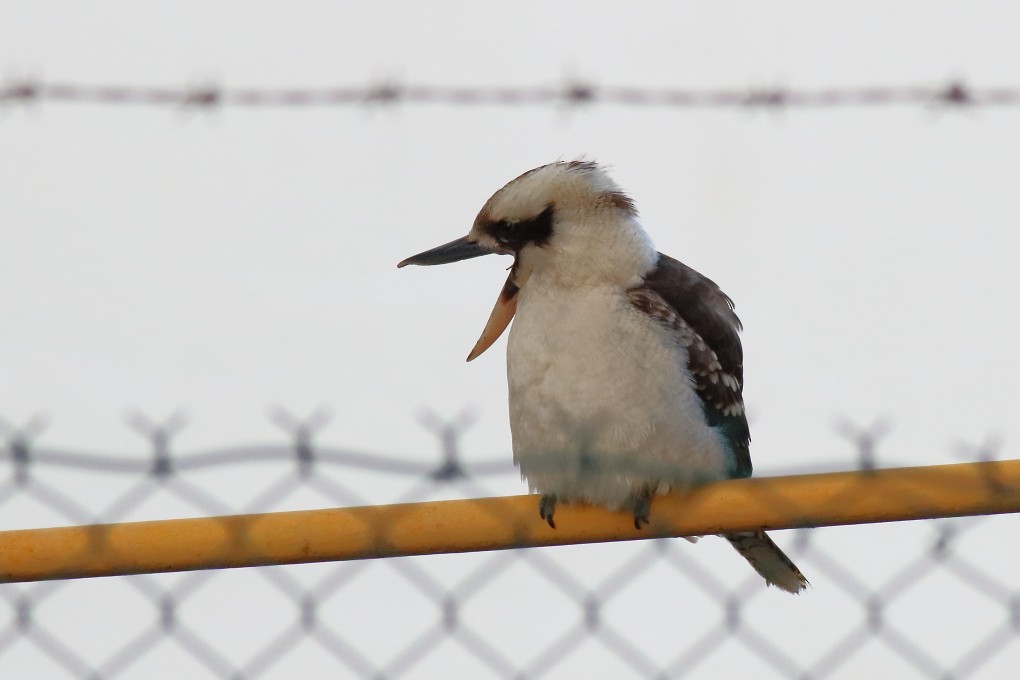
(624, 365)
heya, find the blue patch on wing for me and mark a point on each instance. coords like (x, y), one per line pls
(735, 435)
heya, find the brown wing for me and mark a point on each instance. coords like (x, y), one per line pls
(704, 322)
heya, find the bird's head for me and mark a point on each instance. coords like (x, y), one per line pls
(567, 220)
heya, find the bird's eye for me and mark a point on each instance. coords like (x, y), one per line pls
(505, 231)
(515, 234)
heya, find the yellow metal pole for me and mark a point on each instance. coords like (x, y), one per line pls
(505, 522)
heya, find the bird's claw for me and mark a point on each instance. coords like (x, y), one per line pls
(642, 510)
(546, 508)
(642, 505)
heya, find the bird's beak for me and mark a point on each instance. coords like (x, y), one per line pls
(506, 303)
(454, 251)
(499, 319)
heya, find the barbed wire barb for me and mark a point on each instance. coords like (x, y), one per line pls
(448, 432)
(19, 442)
(865, 440)
(159, 434)
(302, 432)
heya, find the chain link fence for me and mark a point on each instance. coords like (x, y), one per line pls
(934, 599)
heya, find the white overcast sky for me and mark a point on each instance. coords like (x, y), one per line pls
(222, 262)
(225, 261)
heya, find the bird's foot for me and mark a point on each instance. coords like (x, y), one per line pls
(546, 508)
(641, 503)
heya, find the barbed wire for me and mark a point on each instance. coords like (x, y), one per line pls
(954, 93)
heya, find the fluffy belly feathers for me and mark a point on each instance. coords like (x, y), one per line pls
(601, 404)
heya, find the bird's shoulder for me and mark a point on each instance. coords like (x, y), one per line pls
(703, 321)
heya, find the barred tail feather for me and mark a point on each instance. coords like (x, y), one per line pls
(768, 560)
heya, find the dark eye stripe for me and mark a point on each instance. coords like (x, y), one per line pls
(516, 235)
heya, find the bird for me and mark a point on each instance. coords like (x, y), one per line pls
(624, 366)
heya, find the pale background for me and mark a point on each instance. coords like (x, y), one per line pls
(223, 261)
